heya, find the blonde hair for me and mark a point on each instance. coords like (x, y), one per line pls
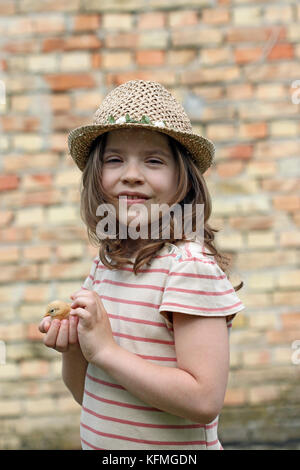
(192, 189)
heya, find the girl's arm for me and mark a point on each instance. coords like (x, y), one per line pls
(74, 368)
(194, 390)
(62, 336)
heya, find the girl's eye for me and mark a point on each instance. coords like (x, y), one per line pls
(116, 159)
(155, 161)
(112, 160)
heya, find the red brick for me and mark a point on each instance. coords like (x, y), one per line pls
(37, 252)
(261, 168)
(150, 57)
(8, 182)
(291, 238)
(19, 26)
(117, 60)
(86, 22)
(96, 60)
(281, 184)
(287, 203)
(70, 233)
(153, 20)
(254, 130)
(182, 57)
(50, 23)
(183, 18)
(87, 41)
(3, 64)
(290, 320)
(283, 336)
(58, 140)
(222, 74)
(252, 223)
(7, 8)
(239, 91)
(247, 54)
(53, 44)
(12, 331)
(6, 217)
(19, 123)
(195, 37)
(14, 234)
(239, 152)
(21, 47)
(217, 16)
(47, 6)
(34, 368)
(122, 40)
(166, 78)
(19, 273)
(235, 397)
(65, 121)
(33, 198)
(257, 34)
(60, 102)
(281, 51)
(229, 169)
(63, 82)
(38, 180)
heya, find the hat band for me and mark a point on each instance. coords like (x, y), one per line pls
(127, 120)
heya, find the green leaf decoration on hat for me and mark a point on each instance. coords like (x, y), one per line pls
(127, 119)
(145, 120)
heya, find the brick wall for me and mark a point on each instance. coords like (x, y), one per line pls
(233, 65)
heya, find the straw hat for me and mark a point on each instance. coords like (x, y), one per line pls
(141, 104)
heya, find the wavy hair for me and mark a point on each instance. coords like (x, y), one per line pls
(192, 189)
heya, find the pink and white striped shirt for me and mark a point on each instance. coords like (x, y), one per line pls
(182, 279)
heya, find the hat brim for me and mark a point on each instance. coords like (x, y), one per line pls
(202, 150)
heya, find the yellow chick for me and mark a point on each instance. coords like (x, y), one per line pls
(58, 309)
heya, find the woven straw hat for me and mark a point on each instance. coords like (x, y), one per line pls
(141, 104)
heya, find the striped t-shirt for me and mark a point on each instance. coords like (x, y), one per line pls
(182, 279)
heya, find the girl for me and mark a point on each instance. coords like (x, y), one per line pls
(145, 350)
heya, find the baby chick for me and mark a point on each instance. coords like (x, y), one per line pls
(58, 309)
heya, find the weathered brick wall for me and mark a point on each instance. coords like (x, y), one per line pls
(233, 65)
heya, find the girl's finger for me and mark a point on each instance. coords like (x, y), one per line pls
(73, 335)
(81, 291)
(45, 325)
(50, 337)
(79, 302)
(62, 339)
(83, 315)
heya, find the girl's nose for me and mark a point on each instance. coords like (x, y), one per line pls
(132, 173)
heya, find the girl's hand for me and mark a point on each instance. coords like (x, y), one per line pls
(60, 335)
(94, 330)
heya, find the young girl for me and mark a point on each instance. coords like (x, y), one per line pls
(145, 350)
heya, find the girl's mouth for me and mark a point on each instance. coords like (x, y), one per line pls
(133, 200)
(136, 201)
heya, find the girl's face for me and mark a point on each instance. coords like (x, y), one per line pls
(139, 160)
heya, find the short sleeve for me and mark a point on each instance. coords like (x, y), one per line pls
(198, 286)
(89, 281)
